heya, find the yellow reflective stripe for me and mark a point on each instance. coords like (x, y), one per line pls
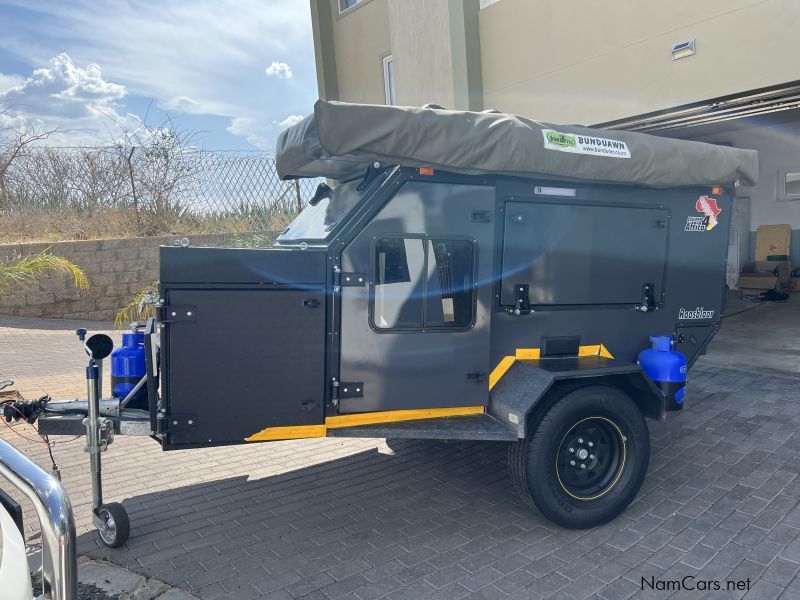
(529, 353)
(596, 350)
(292, 432)
(388, 416)
(500, 370)
(534, 353)
(604, 352)
(393, 416)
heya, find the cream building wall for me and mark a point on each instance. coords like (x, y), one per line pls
(420, 30)
(581, 61)
(435, 47)
(574, 61)
(350, 46)
(569, 61)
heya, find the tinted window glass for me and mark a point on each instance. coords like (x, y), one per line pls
(318, 222)
(422, 283)
(448, 298)
(399, 265)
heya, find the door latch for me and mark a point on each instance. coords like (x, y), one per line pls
(522, 305)
(648, 302)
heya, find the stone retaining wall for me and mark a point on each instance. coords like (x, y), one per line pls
(118, 269)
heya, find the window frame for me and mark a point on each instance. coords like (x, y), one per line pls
(389, 89)
(343, 10)
(424, 237)
(782, 196)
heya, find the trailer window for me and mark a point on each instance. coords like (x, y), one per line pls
(319, 221)
(422, 283)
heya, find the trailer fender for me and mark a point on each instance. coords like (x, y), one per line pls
(529, 388)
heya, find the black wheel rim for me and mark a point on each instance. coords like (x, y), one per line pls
(591, 458)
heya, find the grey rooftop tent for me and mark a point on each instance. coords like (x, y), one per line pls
(340, 140)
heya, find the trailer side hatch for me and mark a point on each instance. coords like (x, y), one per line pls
(247, 359)
(582, 254)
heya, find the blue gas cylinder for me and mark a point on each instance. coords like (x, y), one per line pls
(128, 367)
(667, 368)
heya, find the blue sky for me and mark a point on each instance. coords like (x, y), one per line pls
(235, 71)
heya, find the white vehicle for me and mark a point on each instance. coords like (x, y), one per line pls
(59, 571)
(15, 580)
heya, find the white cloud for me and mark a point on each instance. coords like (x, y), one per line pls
(253, 131)
(63, 90)
(289, 121)
(76, 100)
(181, 104)
(198, 57)
(280, 70)
(9, 81)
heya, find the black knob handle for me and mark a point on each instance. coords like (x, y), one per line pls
(81, 333)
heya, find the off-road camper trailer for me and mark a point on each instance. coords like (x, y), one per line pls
(466, 275)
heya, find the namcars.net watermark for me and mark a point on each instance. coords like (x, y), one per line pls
(690, 583)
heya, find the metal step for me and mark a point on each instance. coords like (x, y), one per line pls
(469, 427)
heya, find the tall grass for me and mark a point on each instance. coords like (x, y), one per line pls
(55, 194)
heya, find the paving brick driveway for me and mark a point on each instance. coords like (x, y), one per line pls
(351, 519)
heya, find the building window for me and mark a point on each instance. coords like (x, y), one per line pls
(345, 4)
(421, 283)
(789, 184)
(388, 79)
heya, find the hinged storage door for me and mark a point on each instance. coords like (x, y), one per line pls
(415, 334)
(583, 254)
(244, 360)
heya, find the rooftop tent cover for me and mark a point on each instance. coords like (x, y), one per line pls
(341, 139)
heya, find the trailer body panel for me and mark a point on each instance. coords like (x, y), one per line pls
(571, 253)
(417, 334)
(414, 281)
(251, 359)
(692, 293)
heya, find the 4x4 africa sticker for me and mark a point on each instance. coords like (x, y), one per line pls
(584, 144)
(708, 207)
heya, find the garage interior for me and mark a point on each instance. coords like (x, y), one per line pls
(760, 337)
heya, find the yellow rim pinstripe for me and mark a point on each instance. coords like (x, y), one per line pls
(621, 467)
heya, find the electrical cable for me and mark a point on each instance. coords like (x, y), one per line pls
(744, 310)
(23, 436)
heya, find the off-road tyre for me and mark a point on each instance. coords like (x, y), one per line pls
(571, 496)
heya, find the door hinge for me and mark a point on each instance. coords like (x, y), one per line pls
(345, 389)
(352, 279)
(176, 314)
(177, 422)
(351, 389)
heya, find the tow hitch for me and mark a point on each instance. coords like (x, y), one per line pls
(96, 418)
